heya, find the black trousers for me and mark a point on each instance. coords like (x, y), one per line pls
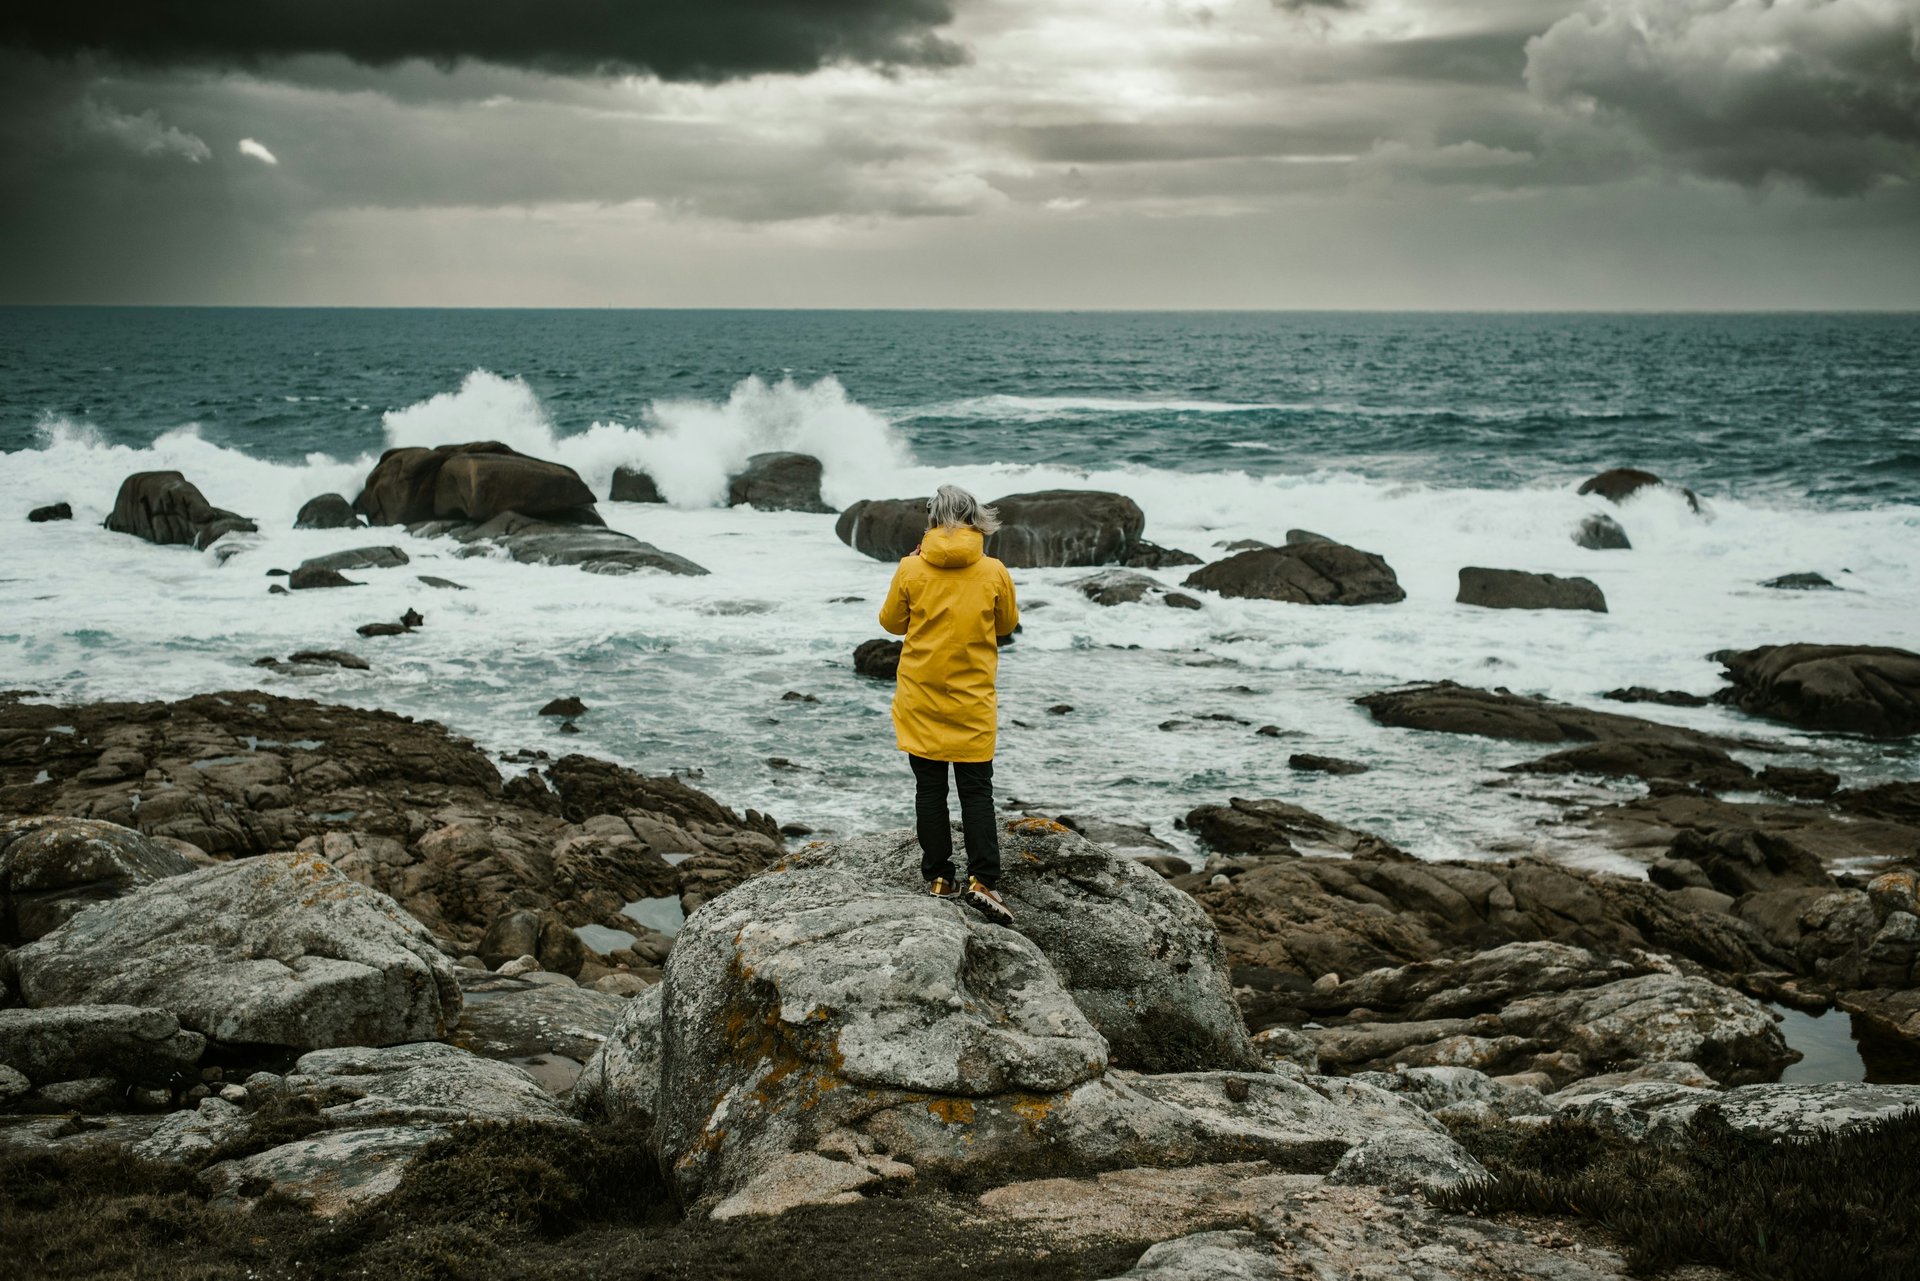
(975, 782)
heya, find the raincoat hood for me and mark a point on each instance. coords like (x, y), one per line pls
(945, 548)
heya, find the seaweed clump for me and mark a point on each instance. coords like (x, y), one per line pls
(1835, 1206)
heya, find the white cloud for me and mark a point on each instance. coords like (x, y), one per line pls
(248, 147)
(144, 133)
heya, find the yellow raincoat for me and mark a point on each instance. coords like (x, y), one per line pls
(951, 602)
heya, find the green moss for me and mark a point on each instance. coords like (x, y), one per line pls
(1838, 1206)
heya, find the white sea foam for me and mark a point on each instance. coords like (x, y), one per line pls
(679, 676)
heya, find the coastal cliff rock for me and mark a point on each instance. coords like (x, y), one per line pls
(472, 482)
(1304, 573)
(825, 1033)
(1858, 689)
(778, 482)
(397, 805)
(1518, 589)
(275, 950)
(166, 507)
(51, 868)
(326, 511)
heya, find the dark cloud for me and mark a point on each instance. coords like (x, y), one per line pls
(702, 40)
(1826, 94)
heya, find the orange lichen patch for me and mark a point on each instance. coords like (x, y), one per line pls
(1033, 1108)
(1036, 825)
(952, 1111)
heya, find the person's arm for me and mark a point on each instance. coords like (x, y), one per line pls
(893, 611)
(1006, 611)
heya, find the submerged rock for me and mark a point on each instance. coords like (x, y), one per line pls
(1860, 689)
(165, 507)
(1694, 764)
(1269, 827)
(1325, 764)
(1518, 589)
(1306, 573)
(782, 482)
(1622, 483)
(327, 511)
(1600, 532)
(53, 511)
(1807, 582)
(1462, 709)
(877, 658)
(275, 950)
(310, 577)
(358, 558)
(536, 541)
(1116, 587)
(1665, 697)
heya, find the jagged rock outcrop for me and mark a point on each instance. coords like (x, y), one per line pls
(778, 482)
(326, 511)
(166, 507)
(1518, 589)
(474, 482)
(276, 950)
(1306, 573)
(53, 867)
(1858, 689)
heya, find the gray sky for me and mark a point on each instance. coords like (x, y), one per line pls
(964, 153)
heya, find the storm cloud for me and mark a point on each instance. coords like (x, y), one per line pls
(700, 40)
(1822, 92)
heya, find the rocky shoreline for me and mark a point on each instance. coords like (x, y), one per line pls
(295, 963)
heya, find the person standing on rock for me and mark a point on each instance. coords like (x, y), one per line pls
(952, 602)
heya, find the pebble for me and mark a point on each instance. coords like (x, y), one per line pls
(234, 1093)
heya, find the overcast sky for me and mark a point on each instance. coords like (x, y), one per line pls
(964, 153)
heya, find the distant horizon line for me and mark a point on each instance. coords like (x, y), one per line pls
(1038, 311)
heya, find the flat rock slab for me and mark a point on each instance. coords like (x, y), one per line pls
(124, 1042)
(513, 1018)
(1462, 709)
(275, 950)
(1518, 589)
(329, 1173)
(423, 1082)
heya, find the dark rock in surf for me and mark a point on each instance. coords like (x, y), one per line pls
(330, 658)
(532, 540)
(55, 511)
(568, 706)
(445, 584)
(1066, 527)
(328, 511)
(1303, 574)
(1808, 582)
(165, 507)
(879, 659)
(1325, 764)
(1859, 689)
(1243, 545)
(631, 485)
(778, 482)
(1302, 537)
(1180, 600)
(1692, 764)
(472, 482)
(1278, 828)
(358, 558)
(1802, 784)
(1664, 697)
(1621, 483)
(883, 528)
(309, 577)
(1602, 533)
(1462, 709)
(1146, 555)
(381, 629)
(1116, 587)
(1518, 589)
(412, 618)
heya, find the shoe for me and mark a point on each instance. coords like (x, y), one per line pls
(941, 887)
(987, 903)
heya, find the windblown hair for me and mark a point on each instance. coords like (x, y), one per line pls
(953, 507)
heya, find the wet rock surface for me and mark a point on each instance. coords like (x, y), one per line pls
(326, 511)
(473, 482)
(778, 482)
(534, 540)
(1519, 589)
(1305, 573)
(1858, 689)
(166, 507)
(631, 485)
(1463, 709)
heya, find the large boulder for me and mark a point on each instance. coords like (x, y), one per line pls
(1621, 483)
(1306, 573)
(121, 1042)
(1066, 527)
(1859, 689)
(1136, 955)
(778, 482)
(166, 507)
(823, 1031)
(279, 950)
(1518, 589)
(883, 528)
(327, 511)
(471, 482)
(51, 868)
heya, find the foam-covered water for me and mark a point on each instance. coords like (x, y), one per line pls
(1443, 456)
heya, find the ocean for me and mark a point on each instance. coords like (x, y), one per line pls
(1437, 440)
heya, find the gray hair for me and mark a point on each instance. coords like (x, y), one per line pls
(951, 507)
